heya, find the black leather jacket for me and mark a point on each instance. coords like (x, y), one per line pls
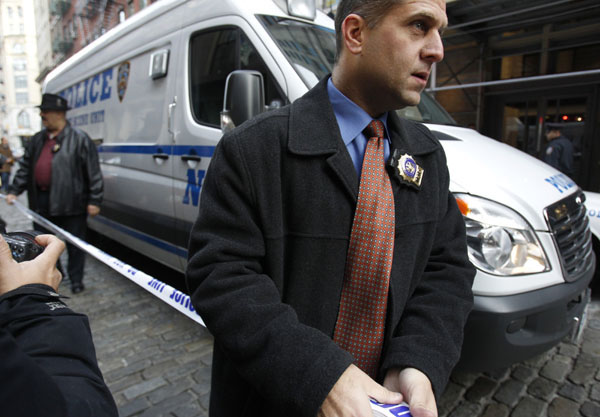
(76, 176)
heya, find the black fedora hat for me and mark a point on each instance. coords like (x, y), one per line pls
(53, 102)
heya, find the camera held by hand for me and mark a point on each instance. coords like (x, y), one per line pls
(23, 245)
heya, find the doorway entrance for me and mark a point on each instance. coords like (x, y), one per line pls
(525, 122)
(525, 115)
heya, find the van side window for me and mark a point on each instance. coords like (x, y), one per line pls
(213, 56)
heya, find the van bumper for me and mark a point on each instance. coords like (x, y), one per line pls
(504, 330)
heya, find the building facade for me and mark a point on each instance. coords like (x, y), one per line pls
(76, 23)
(510, 68)
(20, 93)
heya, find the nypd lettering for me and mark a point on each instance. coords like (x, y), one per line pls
(194, 184)
(594, 213)
(560, 182)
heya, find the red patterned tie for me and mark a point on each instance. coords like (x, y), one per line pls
(360, 325)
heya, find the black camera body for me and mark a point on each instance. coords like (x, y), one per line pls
(23, 245)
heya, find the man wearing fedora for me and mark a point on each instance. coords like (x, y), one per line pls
(61, 173)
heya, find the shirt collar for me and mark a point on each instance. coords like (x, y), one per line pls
(351, 118)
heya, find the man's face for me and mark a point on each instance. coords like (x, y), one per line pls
(400, 49)
(52, 119)
(552, 134)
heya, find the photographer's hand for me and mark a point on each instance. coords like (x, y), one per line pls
(41, 270)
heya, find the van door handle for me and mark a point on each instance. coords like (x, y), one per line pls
(194, 158)
(162, 156)
(170, 115)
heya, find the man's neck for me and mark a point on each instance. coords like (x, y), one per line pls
(56, 130)
(346, 84)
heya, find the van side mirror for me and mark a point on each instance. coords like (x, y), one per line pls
(244, 98)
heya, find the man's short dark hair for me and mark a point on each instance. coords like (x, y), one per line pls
(370, 10)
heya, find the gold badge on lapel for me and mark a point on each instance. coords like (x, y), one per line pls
(405, 169)
(409, 170)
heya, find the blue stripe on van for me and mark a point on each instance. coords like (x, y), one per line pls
(152, 149)
(145, 238)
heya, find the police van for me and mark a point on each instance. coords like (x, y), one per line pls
(156, 92)
(593, 205)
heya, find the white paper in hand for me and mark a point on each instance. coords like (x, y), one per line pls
(390, 410)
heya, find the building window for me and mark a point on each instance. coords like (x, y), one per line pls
(18, 48)
(122, 17)
(20, 10)
(130, 8)
(143, 4)
(22, 98)
(20, 81)
(23, 120)
(20, 65)
(9, 9)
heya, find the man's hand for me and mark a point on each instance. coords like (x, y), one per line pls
(41, 270)
(350, 395)
(93, 210)
(416, 389)
(10, 198)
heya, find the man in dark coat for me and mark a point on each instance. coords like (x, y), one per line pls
(48, 365)
(61, 173)
(268, 250)
(559, 151)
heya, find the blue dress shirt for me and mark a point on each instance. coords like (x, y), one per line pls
(352, 120)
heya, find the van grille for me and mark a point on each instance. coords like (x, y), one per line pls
(571, 231)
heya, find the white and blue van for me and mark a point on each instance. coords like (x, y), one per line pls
(151, 93)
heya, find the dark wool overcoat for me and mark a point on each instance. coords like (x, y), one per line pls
(268, 251)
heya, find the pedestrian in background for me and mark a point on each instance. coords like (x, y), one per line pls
(61, 173)
(325, 280)
(6, 166)
(559, 151)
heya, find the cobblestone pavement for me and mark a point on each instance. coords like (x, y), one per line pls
(157, 362)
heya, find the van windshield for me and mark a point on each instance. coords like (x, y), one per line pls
(310, 49)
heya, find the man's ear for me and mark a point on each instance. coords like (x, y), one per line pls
(353, 28)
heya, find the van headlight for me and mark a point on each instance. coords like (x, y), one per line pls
(499, 240)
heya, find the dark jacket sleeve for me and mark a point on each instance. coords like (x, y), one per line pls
(51, 343)
(21, 178)
(92, 172)
(430, 334)
(27, 390)
(291, 365)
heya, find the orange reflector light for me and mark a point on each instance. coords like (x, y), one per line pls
(463, 206)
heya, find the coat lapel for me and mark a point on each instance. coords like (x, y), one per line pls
(314, 131)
